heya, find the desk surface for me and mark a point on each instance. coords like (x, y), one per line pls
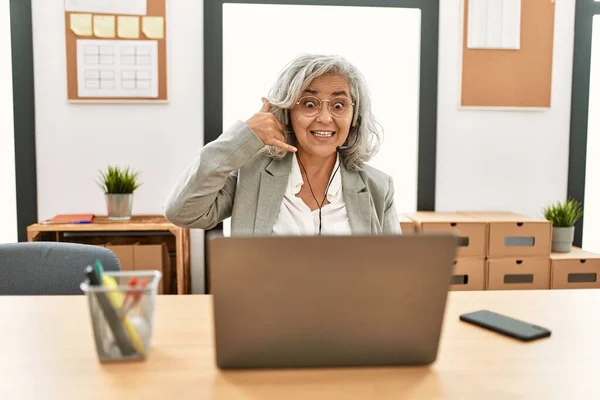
(46, 351)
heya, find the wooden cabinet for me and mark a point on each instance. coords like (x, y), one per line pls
(141, 229)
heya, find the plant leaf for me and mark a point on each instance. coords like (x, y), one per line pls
(564, 215)
(117, 180)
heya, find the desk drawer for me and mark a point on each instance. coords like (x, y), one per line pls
(469, 274)
(518, 273)
(576, 274)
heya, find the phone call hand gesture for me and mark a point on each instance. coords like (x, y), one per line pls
(268, 128)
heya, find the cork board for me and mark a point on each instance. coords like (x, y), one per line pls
(127, 54)
(512, 78)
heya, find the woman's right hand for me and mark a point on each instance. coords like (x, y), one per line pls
(268, 128)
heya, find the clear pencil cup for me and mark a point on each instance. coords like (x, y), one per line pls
(122, 312)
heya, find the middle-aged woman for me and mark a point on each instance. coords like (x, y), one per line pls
(297, 166)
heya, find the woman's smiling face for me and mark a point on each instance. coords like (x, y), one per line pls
(319, 134)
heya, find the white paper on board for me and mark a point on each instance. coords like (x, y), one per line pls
(131, 7)
(494, 24)
(117, 68)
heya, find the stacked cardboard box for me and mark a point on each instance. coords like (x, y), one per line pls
(145, 257)
(469, 266)
(518, 251)
(504, 251)
(575, 270)
(407, 225)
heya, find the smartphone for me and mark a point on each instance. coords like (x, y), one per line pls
(505, 325)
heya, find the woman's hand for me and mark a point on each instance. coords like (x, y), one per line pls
(268, 128)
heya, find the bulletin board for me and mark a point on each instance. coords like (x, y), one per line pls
(512, 78)
(116, 50)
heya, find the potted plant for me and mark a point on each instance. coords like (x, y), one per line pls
(118, 185)
(563, 216)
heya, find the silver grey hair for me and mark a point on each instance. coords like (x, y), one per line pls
(365, 133)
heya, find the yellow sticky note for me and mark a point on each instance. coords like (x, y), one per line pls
(104, 26)
(128, 27)
(153, 27)
(81, 24)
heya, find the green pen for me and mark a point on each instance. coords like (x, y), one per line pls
(99, 270)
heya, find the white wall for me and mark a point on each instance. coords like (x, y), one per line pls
(74, 141)
(502, 160)
(591, 221)
(8, 199)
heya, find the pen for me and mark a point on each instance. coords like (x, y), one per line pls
(135, 298)
(128, 298)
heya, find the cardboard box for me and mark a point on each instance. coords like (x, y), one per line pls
(575, 270)
(406, 224)
(145, 257)
(515, 235)
(125, 255)
(471, 232)
(518, 273)
(469, 274)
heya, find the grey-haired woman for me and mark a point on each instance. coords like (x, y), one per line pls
(296, 167)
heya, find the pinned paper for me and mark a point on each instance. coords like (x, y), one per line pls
(489, 29)
(128, 27)
(128, 7)
(108, 68)
(153, 27)
(104, 26)
(81, 24)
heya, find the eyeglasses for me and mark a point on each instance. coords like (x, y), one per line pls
(339, 106)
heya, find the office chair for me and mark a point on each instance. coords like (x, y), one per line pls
(49, 268)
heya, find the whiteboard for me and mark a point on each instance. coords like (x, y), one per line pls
(8, 200)
(591, 224)
(386, 49)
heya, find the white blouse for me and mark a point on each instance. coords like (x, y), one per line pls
(296, 218)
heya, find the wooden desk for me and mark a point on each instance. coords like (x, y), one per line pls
(142, 226)
(47, 351)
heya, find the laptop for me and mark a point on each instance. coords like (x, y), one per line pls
(329, 301)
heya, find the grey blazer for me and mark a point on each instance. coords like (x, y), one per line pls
(231, 178)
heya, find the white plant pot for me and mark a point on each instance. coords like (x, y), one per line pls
(562, 239)
(118, 206)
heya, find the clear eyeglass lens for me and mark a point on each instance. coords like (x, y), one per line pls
(311, 106)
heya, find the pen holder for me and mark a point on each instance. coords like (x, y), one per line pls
(122, 313)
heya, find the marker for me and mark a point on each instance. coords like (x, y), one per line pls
(91, 274)
(99, 270)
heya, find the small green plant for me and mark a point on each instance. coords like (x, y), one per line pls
(564, 215)
(117, 180)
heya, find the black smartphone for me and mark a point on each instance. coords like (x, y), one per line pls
(505, 325)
